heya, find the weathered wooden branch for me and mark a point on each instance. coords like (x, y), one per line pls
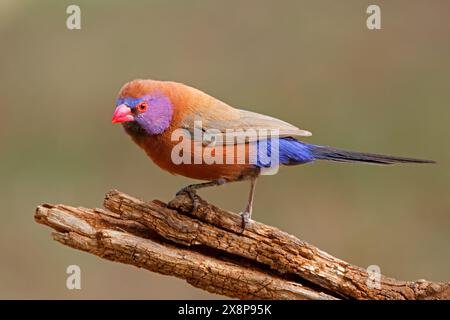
(208, 249)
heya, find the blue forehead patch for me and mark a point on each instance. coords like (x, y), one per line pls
(131, 102)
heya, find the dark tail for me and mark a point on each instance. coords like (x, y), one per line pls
(333, 154)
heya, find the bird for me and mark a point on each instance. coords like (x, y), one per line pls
(152, 112)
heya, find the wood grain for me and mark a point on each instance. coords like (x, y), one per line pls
(209, 250)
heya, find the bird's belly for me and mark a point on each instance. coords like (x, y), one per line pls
(196, 164)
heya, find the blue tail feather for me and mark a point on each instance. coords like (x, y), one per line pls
(292, 152)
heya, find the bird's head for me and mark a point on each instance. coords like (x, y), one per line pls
(143, 107)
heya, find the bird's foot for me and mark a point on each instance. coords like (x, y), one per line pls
(245, 217)
(192, 193)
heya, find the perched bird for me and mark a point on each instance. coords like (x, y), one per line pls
(152, 111)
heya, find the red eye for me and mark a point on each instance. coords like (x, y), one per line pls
(142, 107)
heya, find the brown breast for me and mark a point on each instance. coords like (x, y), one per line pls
(160, 148)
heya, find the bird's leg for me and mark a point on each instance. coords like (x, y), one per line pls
(191, 190)
(247, 214)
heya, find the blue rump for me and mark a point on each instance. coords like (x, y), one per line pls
(290, 152)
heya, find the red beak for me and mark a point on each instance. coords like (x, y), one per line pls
(122, 114)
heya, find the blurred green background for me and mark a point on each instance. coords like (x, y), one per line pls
(313, 63)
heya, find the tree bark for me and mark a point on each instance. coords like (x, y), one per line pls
(208, 248)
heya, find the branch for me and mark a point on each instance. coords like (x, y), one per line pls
(208, 249)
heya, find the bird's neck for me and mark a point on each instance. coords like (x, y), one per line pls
(134, 130)
(145, 140)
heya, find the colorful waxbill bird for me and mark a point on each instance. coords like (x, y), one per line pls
(151, 111)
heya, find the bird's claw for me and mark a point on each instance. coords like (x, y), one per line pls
(245, 217)
(192, 194)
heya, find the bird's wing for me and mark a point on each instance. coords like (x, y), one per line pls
(239, 126)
